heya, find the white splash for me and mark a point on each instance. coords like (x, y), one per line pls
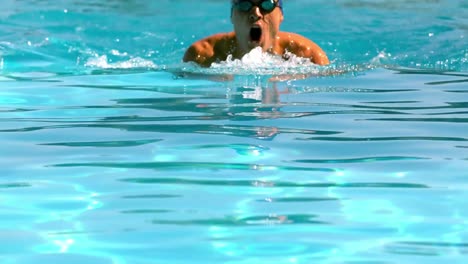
(261, 63)
(382, 58)
(133, 63)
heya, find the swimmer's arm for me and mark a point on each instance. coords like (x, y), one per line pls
(304, 47)
(200, 52)
(211, 49)
(316, 54)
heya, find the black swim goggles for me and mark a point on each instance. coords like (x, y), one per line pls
(266, 6)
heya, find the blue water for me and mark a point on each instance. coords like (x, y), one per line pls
(114, 151)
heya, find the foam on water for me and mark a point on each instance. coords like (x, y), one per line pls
(259, 63)
(133, 63)
(255, 63)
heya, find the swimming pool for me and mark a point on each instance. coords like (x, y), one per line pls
(109, 155)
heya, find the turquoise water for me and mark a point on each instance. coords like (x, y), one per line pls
(113, 151)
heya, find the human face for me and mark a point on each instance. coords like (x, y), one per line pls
(256, 24)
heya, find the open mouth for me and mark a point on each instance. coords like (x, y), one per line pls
(255, 33)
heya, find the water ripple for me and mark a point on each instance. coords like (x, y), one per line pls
(360, 160)
(146, 211)
(298, 200)
(233, 221)
(152, 196)
(436, 120)
(104, 144)
(425, 248)
(260, 132)
(14, 185)
(250, 183)
(370, 139)
(191, 165)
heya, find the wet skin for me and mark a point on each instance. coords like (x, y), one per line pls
(253, 29)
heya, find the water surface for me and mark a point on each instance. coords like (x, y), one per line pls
(114, 152)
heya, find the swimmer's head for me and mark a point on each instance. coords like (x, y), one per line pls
(256, 24)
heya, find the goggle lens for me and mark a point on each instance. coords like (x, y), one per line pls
(268, 5)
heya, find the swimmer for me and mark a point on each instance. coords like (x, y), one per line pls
(256, 24)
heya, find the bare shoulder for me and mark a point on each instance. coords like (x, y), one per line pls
(303, 47)
(210, 49)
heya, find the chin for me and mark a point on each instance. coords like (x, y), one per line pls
(253, 45)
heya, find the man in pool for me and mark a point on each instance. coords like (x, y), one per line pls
(256, 24)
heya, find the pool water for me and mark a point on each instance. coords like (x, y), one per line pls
(114, 151)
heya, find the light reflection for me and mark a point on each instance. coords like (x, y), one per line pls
(400, 174)
(64, 244)
(62, 241)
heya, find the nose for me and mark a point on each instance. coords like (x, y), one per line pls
(255, 14)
